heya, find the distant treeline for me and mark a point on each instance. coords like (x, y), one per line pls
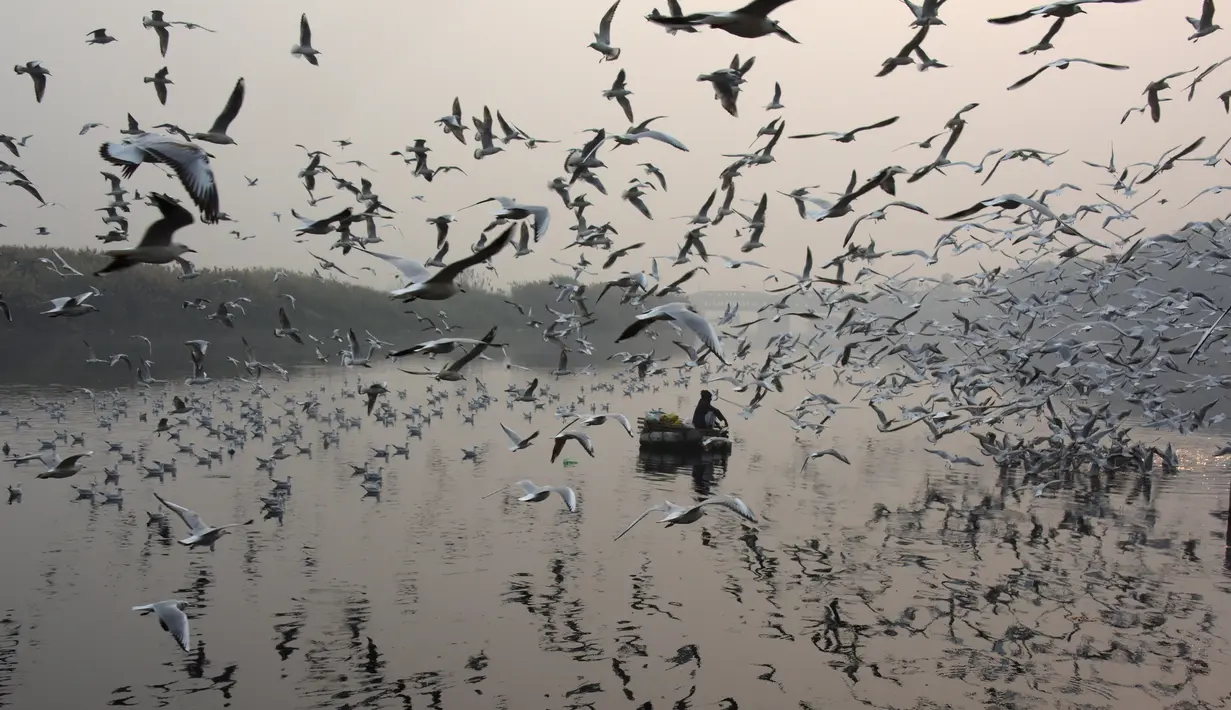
(148, 301)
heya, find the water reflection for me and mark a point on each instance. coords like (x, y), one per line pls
(899, 581)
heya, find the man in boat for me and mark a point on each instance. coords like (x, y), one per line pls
(707, 415)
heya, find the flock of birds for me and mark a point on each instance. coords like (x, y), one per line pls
(996, 375)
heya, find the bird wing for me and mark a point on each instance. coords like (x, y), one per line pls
(732, 504)
(604, 25)
(305, 32)
(462, 361)
(761, 7)
(231, 110)
(515, 438)
(623, 420)
(283, 319)
(191, 165)
(451, 271)
(414, 271)
(706, 332)
(1028, 78)
(160, 233)
(660, 136)
(71, 461)
(175, 621)
(583, 439)
(195, 525)
(568, 494)
(878, 124)
(659, 508)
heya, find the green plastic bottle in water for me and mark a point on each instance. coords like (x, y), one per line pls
(569, 463)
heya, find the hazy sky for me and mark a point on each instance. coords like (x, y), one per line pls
(389, 69)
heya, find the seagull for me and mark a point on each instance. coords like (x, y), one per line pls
(750, 21)
(218, 132)
(562, 438)
(633, 196)
(776, 102)
(1060, 9)
(819, 454)
(160, 28)
(1152, 89)
(284, 329)
(597, 419)
(160, 82)
(71, 306)
(304, 48)
(64, 468)
(602, 38)
(373, 391)
(849, 136)
(680, 515)
(440, 285)
(487, 141)
(519, 443)
(619, 91)
(202, 533)
(452, 123)
(156, 246)
(1062, 64)
(453, 371)
(38, 74)
(631, 138)
(1203, 25)
(171, 618)
(189, 161)
(196, 349)
(685, 315)
(535, 494)
(101, 37)
(511, 209)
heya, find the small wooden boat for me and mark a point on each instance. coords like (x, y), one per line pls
(681, 436)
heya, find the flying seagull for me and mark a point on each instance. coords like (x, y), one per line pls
(750, 21)
(440, 285)
(156, 246)
(38, 74)
(1062, 64)
(536, 494)
(304, 48)
(160, 26)
(189, 161)
(602, 38)
(681, 515)
(160, 82)
(218, 132)
(202, 532)
(171, 618)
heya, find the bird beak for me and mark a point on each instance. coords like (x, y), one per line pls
(460, 289)
(190, 250)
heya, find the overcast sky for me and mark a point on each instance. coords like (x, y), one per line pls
(389, 69)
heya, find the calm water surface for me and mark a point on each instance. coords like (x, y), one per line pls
(432, 597)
